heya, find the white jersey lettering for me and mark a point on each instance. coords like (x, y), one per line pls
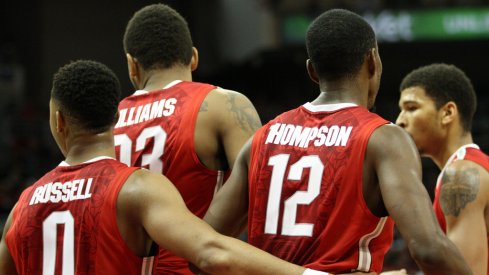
(142, 113)
(299, 136)
(79, 189)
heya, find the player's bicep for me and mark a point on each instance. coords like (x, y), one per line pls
(239, 121)
(166, 219)
(229, 208)
(398, 169)
(461, 201)
(7, 265)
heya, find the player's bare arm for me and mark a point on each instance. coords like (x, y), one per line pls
(228, 212)
(460, 187)
(398, 169)
(463, 204)
(7, 265)
(163, 215)
(225, 121)
(235, 119)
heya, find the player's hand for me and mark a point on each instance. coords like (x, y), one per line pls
(395, 272)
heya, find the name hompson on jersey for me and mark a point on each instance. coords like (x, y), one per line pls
(62, 191)
(296, 135)
(142, 113)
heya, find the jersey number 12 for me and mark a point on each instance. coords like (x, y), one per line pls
(289, 216)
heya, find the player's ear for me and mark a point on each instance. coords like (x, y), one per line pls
(133, 68)
(194, 62)
(60, 122)
(311, 71)
(372, 63)
(449, 112)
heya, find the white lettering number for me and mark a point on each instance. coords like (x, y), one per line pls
(289, 225)
(153, 160)
(49, 236)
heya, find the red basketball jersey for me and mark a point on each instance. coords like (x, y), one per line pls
(305, 190)
(156, 130)
(66, 223)
(469, 152)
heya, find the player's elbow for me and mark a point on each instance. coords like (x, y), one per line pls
(425, 253)
(214, 258)
(437, 255)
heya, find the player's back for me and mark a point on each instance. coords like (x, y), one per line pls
(156, 131)
(66, 222)
(305, 184)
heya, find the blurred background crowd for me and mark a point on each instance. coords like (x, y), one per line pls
(252, 46)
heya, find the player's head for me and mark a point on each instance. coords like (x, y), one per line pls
(432, 98)
(158, 37)
(84, 99)
(339, 42)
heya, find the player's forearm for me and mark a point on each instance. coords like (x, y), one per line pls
(224, 255)
(438, 257)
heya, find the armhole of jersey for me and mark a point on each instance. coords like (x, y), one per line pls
(477, 156)
(369, 129)
(189, 121)
(111, 202)
(255, 148)
(11, 244)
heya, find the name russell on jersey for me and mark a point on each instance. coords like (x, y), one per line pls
(296, 135)
(78, 189)
(142, 113)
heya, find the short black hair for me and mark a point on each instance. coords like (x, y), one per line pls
(337, 42)
(88, 92)
(444, 83)
(158, 37)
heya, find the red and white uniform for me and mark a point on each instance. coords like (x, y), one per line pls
(469, 152)
(305, 190)
(156, 130)
(66, 223)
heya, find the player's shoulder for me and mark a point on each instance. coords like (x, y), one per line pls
(466, 170)
(389, 131)
(391, 140)
(142, 181)
(229, 107)
(465, 179)
(225, 95)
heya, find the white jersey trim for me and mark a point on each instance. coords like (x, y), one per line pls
(147, 268)
(169, 85)
(219, 180)
(364, 256)
(64, 163)
(327, 107)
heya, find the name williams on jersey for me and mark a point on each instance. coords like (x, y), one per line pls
(142, 113)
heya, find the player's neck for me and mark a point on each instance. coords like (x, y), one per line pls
(341, 92)
(158, 79)
(452, 144)
(82, 148)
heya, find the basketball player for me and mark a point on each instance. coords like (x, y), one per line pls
(322, 184)
(191, 132)
(437, 105)
(95, 215)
